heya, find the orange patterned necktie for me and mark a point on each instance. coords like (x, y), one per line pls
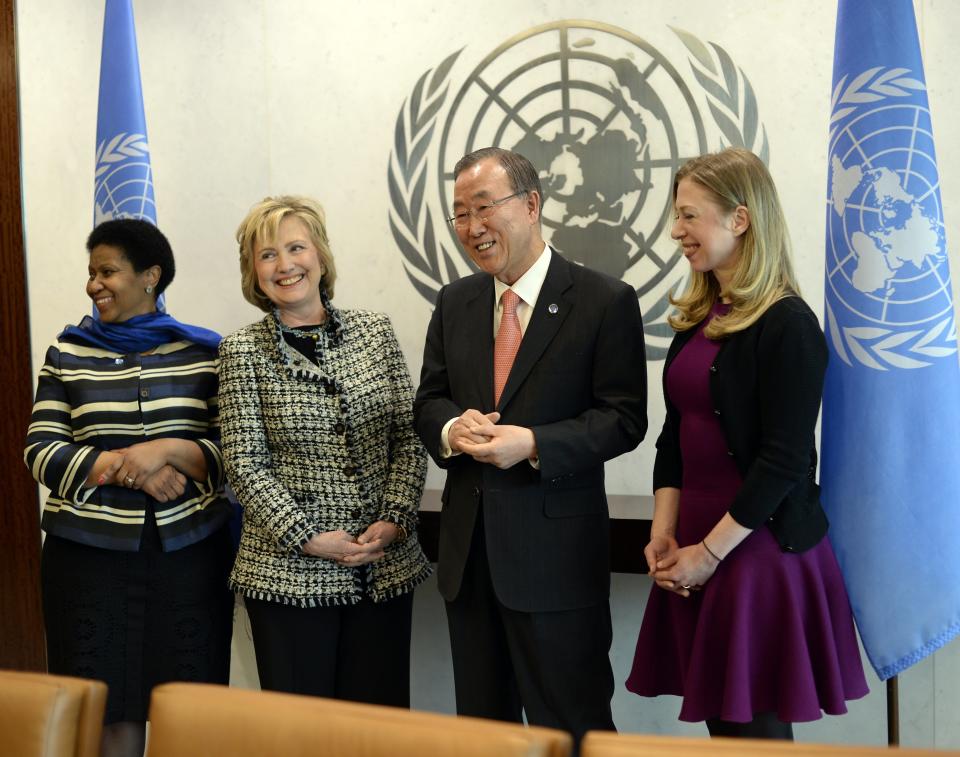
(507, 344)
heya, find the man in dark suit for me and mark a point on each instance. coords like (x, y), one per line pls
(533, 376)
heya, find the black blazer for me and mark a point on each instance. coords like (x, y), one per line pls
(579, 382)
(766, 384)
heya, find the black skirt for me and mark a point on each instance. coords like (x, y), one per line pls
(138, 619)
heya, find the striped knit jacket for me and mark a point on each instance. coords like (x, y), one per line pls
(91, 400)
(314, 448)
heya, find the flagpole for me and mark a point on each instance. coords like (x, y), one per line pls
(893, 711)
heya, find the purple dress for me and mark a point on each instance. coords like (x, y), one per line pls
(770, 631)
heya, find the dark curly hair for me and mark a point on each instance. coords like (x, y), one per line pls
(141, 243)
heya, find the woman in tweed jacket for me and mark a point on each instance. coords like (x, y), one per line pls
(318, 444)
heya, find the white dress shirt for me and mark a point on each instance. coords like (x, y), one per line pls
(527, 288)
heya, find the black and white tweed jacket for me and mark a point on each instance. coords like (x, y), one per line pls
(313, 448)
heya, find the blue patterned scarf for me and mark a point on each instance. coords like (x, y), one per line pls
(138, 334)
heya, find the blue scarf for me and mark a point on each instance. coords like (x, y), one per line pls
(138, 334)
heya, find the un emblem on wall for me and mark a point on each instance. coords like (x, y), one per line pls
(889, 303)
(604, 116)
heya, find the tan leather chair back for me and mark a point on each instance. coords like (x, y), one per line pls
(194, 720)
(600, 744)
(52, 716)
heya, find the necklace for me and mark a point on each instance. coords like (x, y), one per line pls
(331, 329)
(305, 332)
(305, 340)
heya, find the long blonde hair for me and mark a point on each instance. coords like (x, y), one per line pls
(261, 225)
(764, 274)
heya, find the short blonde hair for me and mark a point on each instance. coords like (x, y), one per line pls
(736, 177)
(261, 225)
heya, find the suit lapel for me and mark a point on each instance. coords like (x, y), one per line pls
(553, 305)
(478, 333)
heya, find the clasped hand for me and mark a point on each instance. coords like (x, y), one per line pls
(345, 549)
(681, 570)
(144, 466)
(478, 435)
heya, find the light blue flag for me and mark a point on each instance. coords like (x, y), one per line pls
(123, 182)
(891, 407)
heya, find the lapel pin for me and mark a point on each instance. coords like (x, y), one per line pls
(552, 308)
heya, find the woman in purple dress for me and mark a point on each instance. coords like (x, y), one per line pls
(748, 620)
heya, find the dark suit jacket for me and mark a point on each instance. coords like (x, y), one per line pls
(579, 382)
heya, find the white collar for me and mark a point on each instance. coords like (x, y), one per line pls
(529, 285)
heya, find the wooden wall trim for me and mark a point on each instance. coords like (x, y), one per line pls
(21, 619)
(628, 537)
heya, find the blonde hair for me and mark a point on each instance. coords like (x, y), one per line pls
(261, 225)
(764, 274)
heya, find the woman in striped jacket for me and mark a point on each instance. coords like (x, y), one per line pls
(125, 435)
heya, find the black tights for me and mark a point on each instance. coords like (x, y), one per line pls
(763, 726)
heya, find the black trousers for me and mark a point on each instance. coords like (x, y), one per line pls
(552, 666)
(358, 652)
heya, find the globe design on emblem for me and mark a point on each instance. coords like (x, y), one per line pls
(124, 180)
(603, 116)
(887, 261)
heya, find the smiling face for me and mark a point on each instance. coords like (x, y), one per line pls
(118, 292)
(289, 272)
(509, 241)
(710, 236)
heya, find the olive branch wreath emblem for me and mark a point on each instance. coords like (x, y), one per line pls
(730, 95)
(119, 148)
(429, 263)
(111, 156)
(873, 346)
(411, 222)
(872, 85)
(733, 105)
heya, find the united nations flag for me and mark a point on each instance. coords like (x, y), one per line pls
(891, 407)
(123, 182)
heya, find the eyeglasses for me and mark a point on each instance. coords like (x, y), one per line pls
(461, 220)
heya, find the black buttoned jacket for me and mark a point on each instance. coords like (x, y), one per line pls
(766, 383)
(579, 383)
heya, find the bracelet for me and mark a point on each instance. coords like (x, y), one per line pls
(401, 533)
(711, 552)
